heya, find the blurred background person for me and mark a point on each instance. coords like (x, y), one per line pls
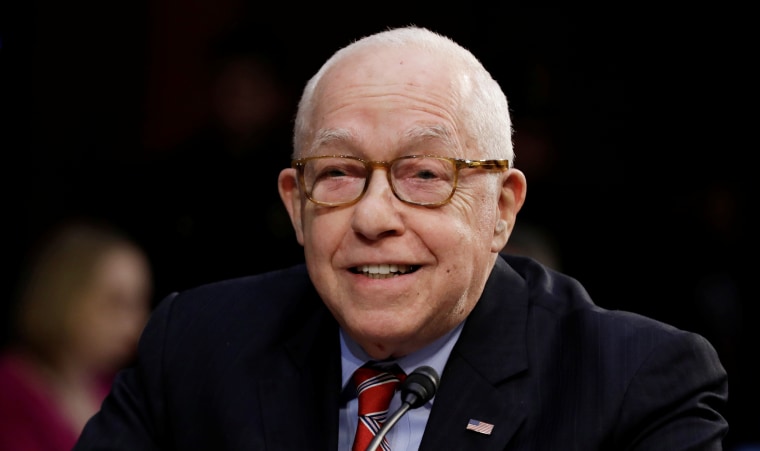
(81, 304)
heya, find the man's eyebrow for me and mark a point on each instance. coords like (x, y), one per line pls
(417, 133)
(326, 136)
(434, 131)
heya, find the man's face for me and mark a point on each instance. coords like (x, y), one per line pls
(388, 104)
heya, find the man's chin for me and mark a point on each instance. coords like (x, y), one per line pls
(382, 341)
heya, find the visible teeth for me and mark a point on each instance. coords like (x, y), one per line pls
(384, 270)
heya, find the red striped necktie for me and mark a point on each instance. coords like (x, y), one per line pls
(375, 388)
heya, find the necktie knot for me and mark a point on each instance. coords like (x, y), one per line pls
(375, 388)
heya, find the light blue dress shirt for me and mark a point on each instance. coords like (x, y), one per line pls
(406, 435)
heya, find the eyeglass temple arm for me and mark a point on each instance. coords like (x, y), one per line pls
(486, 164)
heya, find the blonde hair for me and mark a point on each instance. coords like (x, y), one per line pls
(485, 110)
(59, 268)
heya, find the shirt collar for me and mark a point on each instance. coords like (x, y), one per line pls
(434, 355)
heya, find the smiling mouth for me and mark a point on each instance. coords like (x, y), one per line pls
(384, 271)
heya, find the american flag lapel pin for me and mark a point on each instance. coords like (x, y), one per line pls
(479, 426)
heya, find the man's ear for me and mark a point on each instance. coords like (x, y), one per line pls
(287, 183)
(511, 199)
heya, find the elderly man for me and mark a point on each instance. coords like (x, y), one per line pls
(402, 193)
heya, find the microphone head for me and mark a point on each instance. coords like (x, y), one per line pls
(420, 386)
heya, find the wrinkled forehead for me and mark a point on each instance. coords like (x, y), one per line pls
(386, 91)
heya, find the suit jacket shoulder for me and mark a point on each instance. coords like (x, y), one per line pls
(552, 370)
(229, 365)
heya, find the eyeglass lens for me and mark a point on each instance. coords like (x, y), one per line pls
(422, 180)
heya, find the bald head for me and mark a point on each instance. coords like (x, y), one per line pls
(418, 59)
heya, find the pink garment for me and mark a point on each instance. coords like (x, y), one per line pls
(29, 418)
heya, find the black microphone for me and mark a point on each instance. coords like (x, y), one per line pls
(417, 389)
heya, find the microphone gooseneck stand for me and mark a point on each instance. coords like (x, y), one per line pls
(417, 389)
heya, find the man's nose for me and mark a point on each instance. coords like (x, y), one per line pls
(376, 214)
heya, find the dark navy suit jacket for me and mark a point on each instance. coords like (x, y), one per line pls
(254, 364)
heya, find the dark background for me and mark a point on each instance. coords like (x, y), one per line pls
(629, 125)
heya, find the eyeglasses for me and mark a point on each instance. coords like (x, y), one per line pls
(430, 181)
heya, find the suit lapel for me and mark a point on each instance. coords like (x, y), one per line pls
(300, 401)
(483, 380)
(485, 376)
